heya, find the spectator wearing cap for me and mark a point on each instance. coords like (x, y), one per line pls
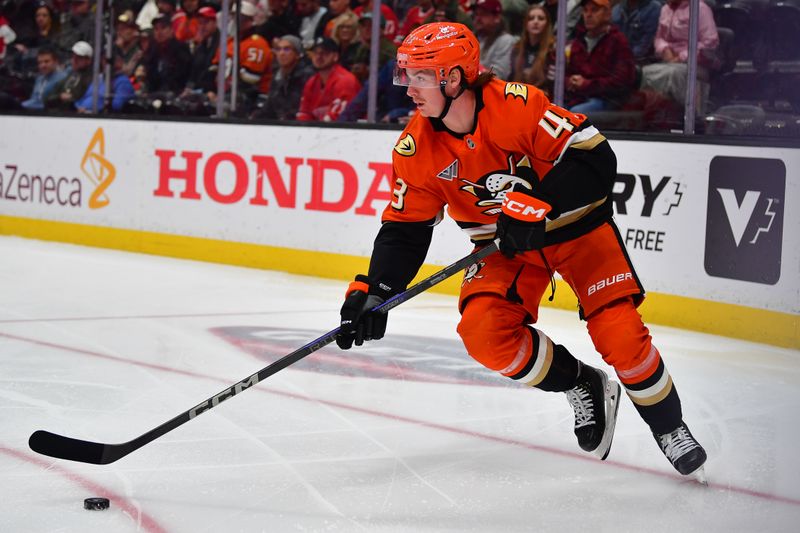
(255, 57)
(311, 22)
(669, 76)
(50, 74)
(74, 85)
(121, 89)
(167, 61)
(288, 81)
(128, 41)
(202, 77)
(282, 20)
(327, 92)
(77, 26)
(601, 72)
(449, 11)
(496, 43)
(638, 20)
(389, 21)
(360, 60)
(186, 22)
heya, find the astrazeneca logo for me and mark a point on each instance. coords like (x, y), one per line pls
(98, 169)
(744, 227)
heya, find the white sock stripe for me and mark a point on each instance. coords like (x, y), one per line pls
(652, 390)
(542, 364)
(635, 371)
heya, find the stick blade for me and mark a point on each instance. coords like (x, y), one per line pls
(61, 447)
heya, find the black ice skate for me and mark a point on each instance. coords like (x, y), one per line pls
(683, 451)
(595, 400)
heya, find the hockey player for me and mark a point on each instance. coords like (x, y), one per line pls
(510, 165)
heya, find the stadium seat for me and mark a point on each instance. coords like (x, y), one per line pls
(783, 21)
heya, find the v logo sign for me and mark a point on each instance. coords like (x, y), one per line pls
(738, 215)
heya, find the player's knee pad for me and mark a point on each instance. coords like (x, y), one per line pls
(494, 334)
(620, 336)
(493, 331)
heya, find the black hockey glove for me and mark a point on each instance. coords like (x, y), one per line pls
(359, 324)
(521, 225)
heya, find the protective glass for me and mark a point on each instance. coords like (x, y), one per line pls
(420, 78)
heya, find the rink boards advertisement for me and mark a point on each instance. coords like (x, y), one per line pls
(704, 222)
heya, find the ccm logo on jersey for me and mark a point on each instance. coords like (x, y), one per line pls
(524, 207)
(607, 282)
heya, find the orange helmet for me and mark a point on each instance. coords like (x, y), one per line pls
(440, 46)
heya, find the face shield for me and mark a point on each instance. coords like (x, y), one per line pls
(413, 77)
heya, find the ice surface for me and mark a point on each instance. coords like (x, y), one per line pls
(406, 434)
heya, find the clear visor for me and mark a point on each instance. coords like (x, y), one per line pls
(414, 77)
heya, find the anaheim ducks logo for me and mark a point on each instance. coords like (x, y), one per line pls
(473, 272)
(517, 90)
(492, 188)
(406, 146)
(98, 169)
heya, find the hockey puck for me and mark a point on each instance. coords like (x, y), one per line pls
(96, 504)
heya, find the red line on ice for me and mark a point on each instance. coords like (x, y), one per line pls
(423, 423)
(143, 519)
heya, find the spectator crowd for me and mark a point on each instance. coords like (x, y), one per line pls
(309, 59)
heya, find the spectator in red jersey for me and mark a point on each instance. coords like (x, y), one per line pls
(601, 72)
(449, 11)
(327, 92)
(391, 23)
(415, 17)
(186, 22)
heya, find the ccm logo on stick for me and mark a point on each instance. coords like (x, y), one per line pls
(523, 207)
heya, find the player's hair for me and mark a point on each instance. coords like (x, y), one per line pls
(482, 79)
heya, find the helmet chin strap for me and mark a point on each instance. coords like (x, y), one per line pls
(448, 100)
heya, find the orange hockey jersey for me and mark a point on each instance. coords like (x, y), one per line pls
(255, 62)
(518, 137)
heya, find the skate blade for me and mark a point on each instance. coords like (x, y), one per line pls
(612, 392)
(699, 475)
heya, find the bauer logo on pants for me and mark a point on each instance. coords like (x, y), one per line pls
(744, 226)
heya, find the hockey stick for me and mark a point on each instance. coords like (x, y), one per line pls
(99, 453)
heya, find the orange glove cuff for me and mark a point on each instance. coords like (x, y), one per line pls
(357, 286)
